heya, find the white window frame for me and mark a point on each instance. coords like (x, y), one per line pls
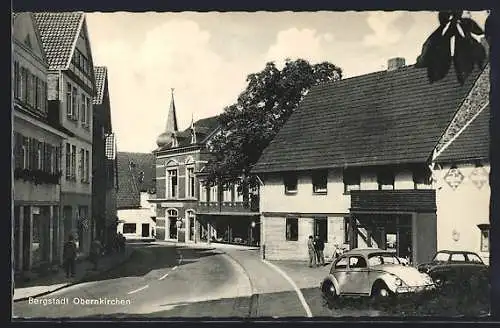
(39, 164)
(25, 156)
(70, 112)
(190, 187)
(203, 192)
(238, 196)
(214, 194)
(169, 182)
(88, 108)
(287, 176)
(83, 108)
(227, 194)
(317, 189)
(484, 247)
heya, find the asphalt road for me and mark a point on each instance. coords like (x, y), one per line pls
(165, 281)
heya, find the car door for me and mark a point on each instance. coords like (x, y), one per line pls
(457, 264)
(356, 281)
(339, 271)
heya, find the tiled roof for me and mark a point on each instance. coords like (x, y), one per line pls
(473, 143)
(100, 74)
(130, 185)
(203, 127)
(375, 119)
(59, 32)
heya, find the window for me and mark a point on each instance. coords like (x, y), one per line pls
(29, 87)
(190, 182)
(88, 108)
(81, 165)
(129, 228)
(172, 221)
(17, 80)
(25, 157)
(321, 228)
(356, 262)
(320, 181)
(474, 258)
(83, 109)
(352, 180)
(24, 84)
(457, 257)
(36, 91)
(485, 238)
(74, 103)
(39, 156)
(203, 192)
(69, 101)
(341, 264)
(238, 193)
(441, 257)
(292, 229)
(87, 166)
(214, 197)
(346, 230)
(290, 182)
(73, 162)
(68, 161)
(44, 97)
(172, 183)
(226, 195)
(385, 180)
(421, 178)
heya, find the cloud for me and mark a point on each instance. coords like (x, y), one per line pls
(384, 31)
(294, 43)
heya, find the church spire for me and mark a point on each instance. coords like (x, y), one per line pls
(193, 130)
(171, 125)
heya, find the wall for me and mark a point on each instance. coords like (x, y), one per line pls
(460, 210)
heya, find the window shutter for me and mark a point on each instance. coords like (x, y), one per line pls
(17, 149)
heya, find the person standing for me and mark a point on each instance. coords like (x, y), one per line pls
(95, 252)
(320, 247)
(312, 252)
(69, 256)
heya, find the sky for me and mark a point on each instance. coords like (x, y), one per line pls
(206, 57)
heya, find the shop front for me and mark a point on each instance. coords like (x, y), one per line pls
(400, 220)
(230, 228)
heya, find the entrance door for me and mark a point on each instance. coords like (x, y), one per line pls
(145, 230)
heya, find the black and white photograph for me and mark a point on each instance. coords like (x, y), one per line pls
(249, 165)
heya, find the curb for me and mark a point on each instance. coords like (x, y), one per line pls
(82, 280)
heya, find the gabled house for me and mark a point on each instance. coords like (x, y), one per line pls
(136, 186)
(354, 166)
(36, 152)
(188, 210)
(104, 164)
(71, 87)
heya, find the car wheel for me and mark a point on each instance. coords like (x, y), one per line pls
(381, 291)
(328, 290)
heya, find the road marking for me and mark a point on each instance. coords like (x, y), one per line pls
(174, 268)
(138, 290)
(164, 276)
(297, 290)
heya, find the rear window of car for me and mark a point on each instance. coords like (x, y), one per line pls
(382, 258)
(458, 257)
(474, 258)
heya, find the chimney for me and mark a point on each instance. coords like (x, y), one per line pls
(395, 63)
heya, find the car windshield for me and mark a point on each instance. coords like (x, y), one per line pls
(382, 258)
(441, 257)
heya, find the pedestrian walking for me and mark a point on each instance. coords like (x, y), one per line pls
(320, 247)
(69, 256)
(95, 253)
(312, 252)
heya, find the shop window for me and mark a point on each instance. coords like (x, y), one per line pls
(352, 180)
(321, 229)
(129, 228)
(292, 229)
(290, 181)
(320, 181)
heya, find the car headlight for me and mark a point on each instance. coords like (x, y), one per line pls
(398, 282)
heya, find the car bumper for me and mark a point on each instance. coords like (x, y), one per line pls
(415, 289)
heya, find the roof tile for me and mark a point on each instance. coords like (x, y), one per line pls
(130, 185)
(100, 74)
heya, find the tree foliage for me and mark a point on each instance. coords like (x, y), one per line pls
(262, 108)
(436, 53)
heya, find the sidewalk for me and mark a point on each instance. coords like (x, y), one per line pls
(39, 286)
(207, 245)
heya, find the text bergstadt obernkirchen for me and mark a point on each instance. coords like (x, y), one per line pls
(78, 301)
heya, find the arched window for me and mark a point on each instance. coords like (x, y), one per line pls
(172, 215)
(190, 178)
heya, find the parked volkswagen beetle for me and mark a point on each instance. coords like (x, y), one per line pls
(373, 272)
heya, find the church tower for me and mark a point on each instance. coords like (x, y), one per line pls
(169, 136)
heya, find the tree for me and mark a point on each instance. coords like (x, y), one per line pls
(262, 108)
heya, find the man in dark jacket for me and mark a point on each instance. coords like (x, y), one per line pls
(69, 255)
(320, 247)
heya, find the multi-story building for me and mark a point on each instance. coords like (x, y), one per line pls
(357, 165)
(104, 164)
(136, 216)
(36, 153)
(71, 87)
(187, 209)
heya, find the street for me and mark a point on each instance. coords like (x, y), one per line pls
(165, 280)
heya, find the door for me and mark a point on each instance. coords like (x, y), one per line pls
(145, 230)
(356, 280)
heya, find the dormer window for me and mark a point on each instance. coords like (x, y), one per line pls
(320, 181)
(352, 180)
(385, 180)
(290, 181)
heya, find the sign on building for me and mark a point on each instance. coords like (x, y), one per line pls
(454, 177)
